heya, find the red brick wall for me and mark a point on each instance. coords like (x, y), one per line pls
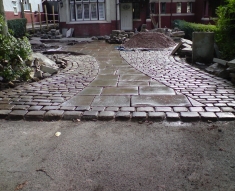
(10, 15)
(88, 30)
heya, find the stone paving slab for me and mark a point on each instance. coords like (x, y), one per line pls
(149, 85)
(159, 100)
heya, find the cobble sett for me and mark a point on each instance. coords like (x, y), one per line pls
(212, 98)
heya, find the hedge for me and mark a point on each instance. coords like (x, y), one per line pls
(189, 28)
(18, 26)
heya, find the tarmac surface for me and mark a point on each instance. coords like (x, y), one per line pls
(107, 84)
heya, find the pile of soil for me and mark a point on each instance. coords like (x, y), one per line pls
(149, 40)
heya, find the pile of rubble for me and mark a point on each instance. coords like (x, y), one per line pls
(184, 48)
(119, 37)
(52, 34)
(223, 69)
(150, 40)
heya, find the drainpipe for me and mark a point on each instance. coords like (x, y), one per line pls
(116, 15)
(159, 15)
(171, 15)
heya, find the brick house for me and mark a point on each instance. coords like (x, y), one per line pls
(100, 17)
(13, 9)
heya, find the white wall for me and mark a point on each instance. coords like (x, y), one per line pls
(8, 5)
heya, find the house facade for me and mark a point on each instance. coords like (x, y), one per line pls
(100, 17)
(13, 9)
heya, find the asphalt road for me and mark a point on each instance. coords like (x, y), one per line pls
(113, 156)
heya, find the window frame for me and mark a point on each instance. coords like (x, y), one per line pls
(190, 5)
(179, 3)
(26, 4)
(88, 11)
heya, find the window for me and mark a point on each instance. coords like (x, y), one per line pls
(163, 8)
(136, 11)
(178, 7)
(26, 5)
(189, 7)
(87, 10)
(15, 8)
(152, 8)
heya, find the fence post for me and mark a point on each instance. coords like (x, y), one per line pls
(31, 14)
(53, 12)
(40, 19)
(45, 7)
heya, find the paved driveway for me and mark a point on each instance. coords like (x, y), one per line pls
(138, 85)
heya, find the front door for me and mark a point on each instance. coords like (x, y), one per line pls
(126, 16)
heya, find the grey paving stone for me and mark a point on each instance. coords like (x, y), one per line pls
(91, 91)
(172, 116)
(152, 90)
(17, 114)
(189, 116)
(90, 115)
(231, 104)
(225, 116)
(72, 115)
(212, 109)
(180, 109)
(112, 109)
(120, 91)
(156, 116)
(145, 109)
(227, 109)
(79, 101)
(196, 109)
(103, 83)
(131, 109)
(6, 106)
(4, 113)
(83, 108)
(127, 77)
(123, 115)
(98, 108)
(35, 108)
(21, 107)
(208, 116)
(47, 108)
(133, 83)
(112, 101)
(139, 116)
(67, 108)
(195, 103)
(164, 109)
(106, 115)
(159, 100)
(35, 115)
(53, 115)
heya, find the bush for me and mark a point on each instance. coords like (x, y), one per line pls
(189, 28)
(18, 26)
(13, 52)
(226, 29)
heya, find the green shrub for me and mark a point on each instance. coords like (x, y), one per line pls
(13, 52)
(189, 28)
(226, 29)
(18, 26)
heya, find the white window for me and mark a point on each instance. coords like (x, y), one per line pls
(15, 8)
(189, 7)
(26, 5)
(178, 7)
(87, 10)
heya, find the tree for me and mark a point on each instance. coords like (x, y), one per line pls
(226, 29)
(2, 12)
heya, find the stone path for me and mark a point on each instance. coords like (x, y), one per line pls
(138, 85)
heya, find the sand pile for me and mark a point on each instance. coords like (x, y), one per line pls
(149, 40)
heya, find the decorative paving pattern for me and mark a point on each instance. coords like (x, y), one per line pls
(149, 85)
